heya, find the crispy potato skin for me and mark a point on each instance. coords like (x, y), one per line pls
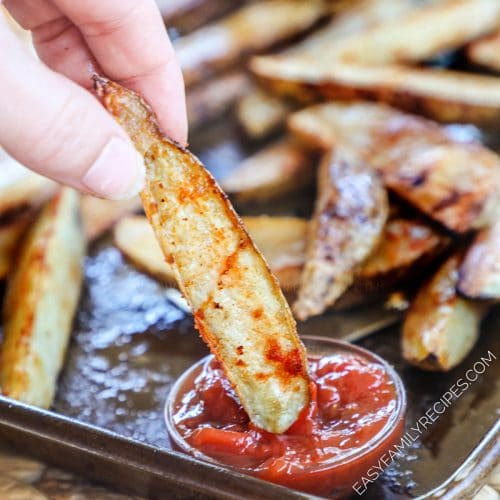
(278, 169)
(441, 328)
(238, 306)
(41, 301)
(480, 271)
(251, 29)
(416, 159)
(350, 214)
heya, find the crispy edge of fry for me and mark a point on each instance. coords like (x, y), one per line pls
(99, 215)
(351, 202)
(10, 235)
(441, 327)
(41, 301)
(486, 52)
(280, 239)
(480, 270)
(279, 168)
(253, 28)
(446, 96)
(210, 100)
(238, 306)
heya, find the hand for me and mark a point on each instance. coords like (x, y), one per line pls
(49, 120)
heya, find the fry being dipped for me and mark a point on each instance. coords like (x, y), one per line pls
(238, 306)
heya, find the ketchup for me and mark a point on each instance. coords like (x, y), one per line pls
(324, 451)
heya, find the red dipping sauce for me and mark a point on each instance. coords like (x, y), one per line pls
(355, 415)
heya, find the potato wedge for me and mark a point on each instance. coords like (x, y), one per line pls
(280, 168)
(238, 306)
(421, 33)
(486, 52)
(441, 327)
(446, 96)
(281, 240)
(212, 99)
(100, 215)
(480, 271)
(11, 233)
(350, 214)
(21, 188)
(41, 301)
(251, 29)
(416, 159)
(260, 113)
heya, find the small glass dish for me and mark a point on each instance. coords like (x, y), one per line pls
(339, 476)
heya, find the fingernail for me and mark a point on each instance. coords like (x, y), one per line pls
(118, 173)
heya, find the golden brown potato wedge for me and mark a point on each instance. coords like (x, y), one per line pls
(486, 52)
(441, 327)
(280, 239)
(349, 22)
(41, 301)
(480, 271)
(21, 188)
(11, 233)
(421, 33)
(350, 214)
(238, 306)
(278, 169)
(98, 215)
(407, 247)
(416, 159)
(210, 100)
(447, 96)
(251, 29)
(260, 113)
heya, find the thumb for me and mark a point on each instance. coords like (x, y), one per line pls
(59, 130)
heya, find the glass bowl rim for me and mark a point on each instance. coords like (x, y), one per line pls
(396, 416)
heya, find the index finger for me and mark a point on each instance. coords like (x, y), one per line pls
(131, 45)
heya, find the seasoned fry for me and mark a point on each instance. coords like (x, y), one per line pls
(100, 215)
(10, 235)
(480, 271)
(350, 214)
(486, 52)
(441, 328)
(279, 168)
(21, 188)
(212, 99)
(251, 29)
(447, 96)
(41, 301)
(280, 239)
(416, 158)
(260, 113)
(421, 33)
(238, 306)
